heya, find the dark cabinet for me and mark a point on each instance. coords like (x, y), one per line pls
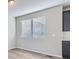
(66, 20)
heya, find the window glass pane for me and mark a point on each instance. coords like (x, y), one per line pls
(26, 28)
(39, 27)
(66, 21)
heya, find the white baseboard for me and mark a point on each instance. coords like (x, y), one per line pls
(40, 52)
(11, 48)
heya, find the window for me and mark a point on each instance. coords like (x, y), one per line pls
(35, 27)
(66, 21)
(26, 28)
(39, 27)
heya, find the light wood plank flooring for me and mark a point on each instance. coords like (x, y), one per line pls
(22, 54)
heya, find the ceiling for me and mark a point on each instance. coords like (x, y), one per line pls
(22, 7)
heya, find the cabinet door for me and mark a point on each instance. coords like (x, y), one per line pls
(66, 21)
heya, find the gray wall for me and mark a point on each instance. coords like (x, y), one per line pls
(52, 43)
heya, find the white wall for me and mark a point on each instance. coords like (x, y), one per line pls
(24, 7)
(51, 45)
(66, 36)
(11, 32)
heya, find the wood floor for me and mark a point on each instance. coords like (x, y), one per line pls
(22, 54)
